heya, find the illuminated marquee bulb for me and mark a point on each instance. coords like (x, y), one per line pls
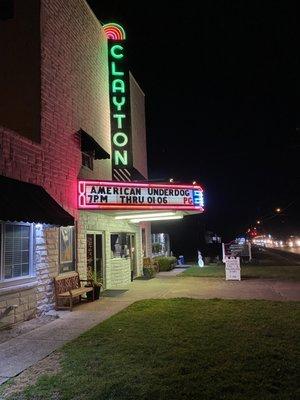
(114, 31)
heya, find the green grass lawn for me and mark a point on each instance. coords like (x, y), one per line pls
(183, 349)
(249, 271)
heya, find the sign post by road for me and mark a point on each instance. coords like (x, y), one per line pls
(235, 249)
(232, 269)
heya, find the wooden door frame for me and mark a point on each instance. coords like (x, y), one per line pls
(102, 233)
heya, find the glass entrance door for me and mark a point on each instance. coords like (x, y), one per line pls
(94, 256)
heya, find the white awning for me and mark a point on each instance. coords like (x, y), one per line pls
(149, 216)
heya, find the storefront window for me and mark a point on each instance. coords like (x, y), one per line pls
(15, 254)
(67, 248)
(120, 245)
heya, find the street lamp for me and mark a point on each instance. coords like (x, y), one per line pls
(258, 222)
(278, 210)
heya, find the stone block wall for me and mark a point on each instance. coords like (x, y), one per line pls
(46, 265)
(24, 304)
(103, 223)
(35, 295)
(147, 227)
(118, 274)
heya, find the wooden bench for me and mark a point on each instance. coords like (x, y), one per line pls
(68, 286)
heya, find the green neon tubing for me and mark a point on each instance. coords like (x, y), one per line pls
(123, 137)
(123, 158)
(118, 85)
(119, 117)
(114, 71)
(118, 104)
(113, 52)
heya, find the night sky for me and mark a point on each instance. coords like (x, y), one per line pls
(218, 81)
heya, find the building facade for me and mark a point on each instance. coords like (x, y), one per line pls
(55, 128)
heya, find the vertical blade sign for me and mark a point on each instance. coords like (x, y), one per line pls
(119, 91)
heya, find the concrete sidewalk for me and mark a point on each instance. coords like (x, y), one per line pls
(27, 349)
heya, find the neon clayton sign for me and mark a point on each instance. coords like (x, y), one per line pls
(119, 101)
(107, 195)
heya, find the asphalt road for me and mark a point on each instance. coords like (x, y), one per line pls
(295, 250)
(279, 256)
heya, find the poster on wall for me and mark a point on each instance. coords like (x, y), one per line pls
(66, 248)
(107, 195)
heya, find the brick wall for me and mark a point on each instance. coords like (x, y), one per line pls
(138, 127)
(74, 87)
(20, 83)
(74, 95)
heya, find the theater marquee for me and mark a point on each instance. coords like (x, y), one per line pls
(107, 195)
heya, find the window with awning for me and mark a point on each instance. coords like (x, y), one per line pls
(90, 145)
(16, 253)
(26, 202)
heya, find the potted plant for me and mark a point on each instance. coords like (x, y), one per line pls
(96, 283)
(97, 288)
(156, 248)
